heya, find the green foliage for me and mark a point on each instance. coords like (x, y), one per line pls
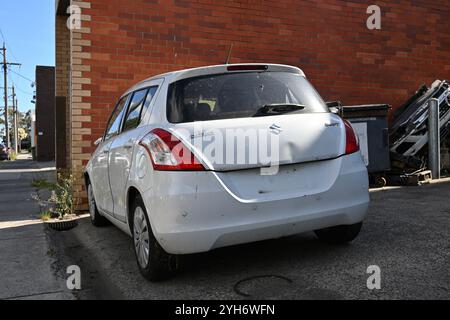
(63, 195)
(61, 201)
(25, 120)
(22, 133)
(43, 184)
(46, 215)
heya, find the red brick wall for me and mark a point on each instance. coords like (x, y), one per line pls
(134, 39)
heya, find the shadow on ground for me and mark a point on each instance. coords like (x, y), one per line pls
(405, 234)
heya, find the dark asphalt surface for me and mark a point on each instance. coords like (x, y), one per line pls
(406, 234)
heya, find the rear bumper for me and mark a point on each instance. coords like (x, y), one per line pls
(192, 212)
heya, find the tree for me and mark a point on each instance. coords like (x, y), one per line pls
(25, 120)
(22, 134)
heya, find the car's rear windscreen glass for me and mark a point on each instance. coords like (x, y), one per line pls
(239, 95)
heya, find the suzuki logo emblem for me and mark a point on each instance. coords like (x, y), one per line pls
(275, 129)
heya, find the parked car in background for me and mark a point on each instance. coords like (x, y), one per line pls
(3, 152)
(152, 178)
(25, 144)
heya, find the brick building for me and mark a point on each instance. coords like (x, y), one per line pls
(45, 113)
(123, 41)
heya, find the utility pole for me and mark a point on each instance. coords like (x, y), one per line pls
(5, 64)
(16, 126)
(14, 110)
(5, 75)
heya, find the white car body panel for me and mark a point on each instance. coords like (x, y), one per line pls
(304, 137)
(98, 172)
(317, 185)
(120, 153)
(194, 213)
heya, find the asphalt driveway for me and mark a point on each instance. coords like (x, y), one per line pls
(406, 234)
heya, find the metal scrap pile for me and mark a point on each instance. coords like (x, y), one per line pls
(409, 130)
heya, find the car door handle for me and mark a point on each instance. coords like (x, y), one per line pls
(105, 151)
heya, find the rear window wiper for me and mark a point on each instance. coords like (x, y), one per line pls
(278, 108)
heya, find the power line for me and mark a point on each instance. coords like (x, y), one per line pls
(3, 36)
(7, 46)
(23, 91)
(19, 88)
(18, 74)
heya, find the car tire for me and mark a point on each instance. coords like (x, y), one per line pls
(339, 234)
(154, 263)
(96, 218)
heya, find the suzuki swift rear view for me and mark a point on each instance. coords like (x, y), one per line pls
(209, 157)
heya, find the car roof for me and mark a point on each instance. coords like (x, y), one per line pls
(215, 69)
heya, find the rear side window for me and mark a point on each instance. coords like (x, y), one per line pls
(150, 95)
(116, 118)
(138, 106)
(134, 110)
(239, 95)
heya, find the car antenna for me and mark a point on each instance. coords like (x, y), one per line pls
(229, 54)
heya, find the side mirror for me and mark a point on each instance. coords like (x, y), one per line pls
(98, 141)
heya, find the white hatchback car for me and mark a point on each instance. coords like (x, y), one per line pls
(209, 157)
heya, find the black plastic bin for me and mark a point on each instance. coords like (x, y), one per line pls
(371, 125)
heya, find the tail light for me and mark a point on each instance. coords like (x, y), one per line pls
(168, 153)
(351, 141)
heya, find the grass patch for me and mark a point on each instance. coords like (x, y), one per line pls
(43, 184)
(45, 216)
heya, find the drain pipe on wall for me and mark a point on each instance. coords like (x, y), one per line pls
(434, 137)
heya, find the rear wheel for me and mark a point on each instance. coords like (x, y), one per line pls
(153, 262)
(96, 218)
(339, 234)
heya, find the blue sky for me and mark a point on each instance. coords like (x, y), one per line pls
(28, 28)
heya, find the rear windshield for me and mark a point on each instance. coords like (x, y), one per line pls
(239, 95)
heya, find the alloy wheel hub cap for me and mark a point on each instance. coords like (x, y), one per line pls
(141, 237)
